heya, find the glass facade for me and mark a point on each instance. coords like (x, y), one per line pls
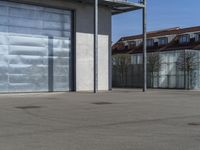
(169, 74)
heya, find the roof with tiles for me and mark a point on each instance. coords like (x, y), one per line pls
(119, 47)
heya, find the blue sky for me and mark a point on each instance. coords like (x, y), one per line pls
(161, 14)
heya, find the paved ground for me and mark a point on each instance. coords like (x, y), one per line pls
(123, 120)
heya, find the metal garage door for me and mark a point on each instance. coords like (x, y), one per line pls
(35, 48)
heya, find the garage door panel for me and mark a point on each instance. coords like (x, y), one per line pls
(19, 69)
(29, 70)
(3, 70)
(3, 49)
(3, 28)
(56, 33)
(25, 13)
(36, 60)
(61, 43)
(3, 87)
(27, 60)
(61, 83)
(19, 79)
(56, 26)
(23, 40)
(23, 78)
(3, 10)
(26, 23)
(61, 61)
(35, 48)
(25, 50)
(34, 31)
(61, 52)
(40, 14)
(20, 30)
(61, 70)
(60, 79)
(3, 60)
(18, 5)
(56, 17)
(3, 77)
(21, 87)
(4, 20)
(62, 87)
(3, 38)
(57, 11)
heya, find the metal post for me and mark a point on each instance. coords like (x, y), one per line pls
(185, 84)
(110, 64)
(96, 46)
(144, 48)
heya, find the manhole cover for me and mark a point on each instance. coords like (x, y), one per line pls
(28, 107)
(102, 103)
(194, 123)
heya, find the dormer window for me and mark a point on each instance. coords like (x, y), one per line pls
(150, 42)
(131, 44)
(126, 44)
(184, 39)
(198, 37)
(162, 41)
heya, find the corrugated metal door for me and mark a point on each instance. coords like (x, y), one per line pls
(35, 48)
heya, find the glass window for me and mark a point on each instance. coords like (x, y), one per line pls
(150, 42)
(199, 37)
(184, 38)
(139, 59)
(163, 41)
(133, 59)
(126, 45)
(132, 44)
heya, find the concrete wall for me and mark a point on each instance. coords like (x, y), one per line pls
(84, 48)
(84, 42)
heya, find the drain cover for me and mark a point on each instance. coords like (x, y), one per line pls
(28, 107)
(194, 124)
(102, 103)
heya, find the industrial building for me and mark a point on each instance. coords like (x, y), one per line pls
(173, 59)
(57, 45)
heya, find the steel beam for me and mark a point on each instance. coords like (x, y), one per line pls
(144, 48)
(96, 46)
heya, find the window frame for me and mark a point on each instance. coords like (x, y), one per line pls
(184, 39)
(198, 37)
(165, 39)
(150, 41)
(131, 44)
